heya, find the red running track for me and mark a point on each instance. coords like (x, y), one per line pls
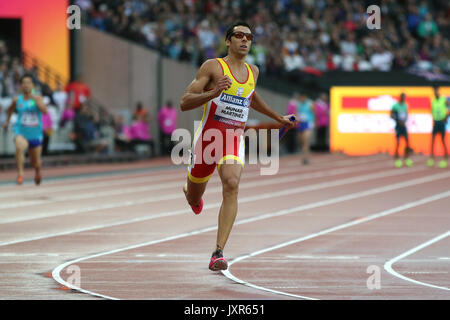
(340, 228)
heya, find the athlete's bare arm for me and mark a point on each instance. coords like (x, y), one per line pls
(259, 105)
(10, 111)
(208, 76)
(39, 103)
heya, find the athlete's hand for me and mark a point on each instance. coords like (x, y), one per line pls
(285, 120)
(224, 83)
(5, 125)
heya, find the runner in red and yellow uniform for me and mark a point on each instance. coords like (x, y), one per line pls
(225, 88)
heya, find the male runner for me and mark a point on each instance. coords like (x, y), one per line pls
(399, 113)
(225, 87)
(28, 133)
(440, 113)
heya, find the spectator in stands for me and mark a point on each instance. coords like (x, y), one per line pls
(427, 28)
(348, 46)
(167, 120)
(50, 120)
(207, 37)
(413, 18)
(47, 127)
(78, 92)
(85, 133)
(139, 132)
(7, 85)
(293, 61)
(317, 30)
(67, 115)
(122, 138)
(59, 97)
(140, 113)
(381, 59)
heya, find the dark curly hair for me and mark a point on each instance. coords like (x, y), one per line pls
(231, 28)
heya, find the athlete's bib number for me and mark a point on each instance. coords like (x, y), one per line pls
(30, 120)
(231, 112)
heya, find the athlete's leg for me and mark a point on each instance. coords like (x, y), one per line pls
(300, 139)
(194, 191)
(21, 147)
(444, 144)
(433, 138)
(230, 175)
(397, 161)
(408, 160)
(444, 162)
(397, 144)
(305, 137)
(430, 161)
(36, 162)
(406, 153)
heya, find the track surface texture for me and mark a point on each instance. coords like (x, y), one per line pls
(339, 228)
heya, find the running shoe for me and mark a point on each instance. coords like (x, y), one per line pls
(430, 162)
(198, 208)
(37, 179)
(218, 262)
(398, 163)
(19, 180)
(408, 162)
(443, 164)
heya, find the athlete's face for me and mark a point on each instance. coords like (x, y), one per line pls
(27, 85)
(241, 40)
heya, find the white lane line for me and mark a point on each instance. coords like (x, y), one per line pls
(45, 189)
(130, 190)
(414, 182)
(242, 200)
(6, 217)
(56, 273)
(318, 257)
(269, 195)
(87, 184)
(388, 264)
(371, 217)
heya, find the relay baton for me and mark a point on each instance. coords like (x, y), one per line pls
(283, 129)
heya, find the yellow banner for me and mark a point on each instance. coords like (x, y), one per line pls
(360, 122)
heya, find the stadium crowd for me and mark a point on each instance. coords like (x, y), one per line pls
(69, 110)
(290, 35)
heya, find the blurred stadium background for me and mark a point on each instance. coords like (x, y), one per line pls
(130, 58)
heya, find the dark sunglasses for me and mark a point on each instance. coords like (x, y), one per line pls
(240, 35)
